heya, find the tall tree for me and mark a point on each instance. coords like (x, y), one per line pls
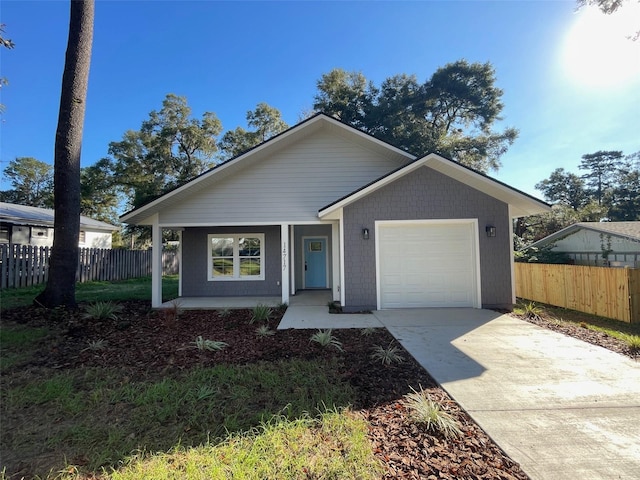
(452, 113)
(347, 96)
(99, 198)
(32, 182)
(601, 167)
(266, 122)
(625, 194)
(61, 284)
(564, 187)
(170, 149)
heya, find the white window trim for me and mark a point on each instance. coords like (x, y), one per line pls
(236, 257)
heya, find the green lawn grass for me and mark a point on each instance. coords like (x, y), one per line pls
(288, 419)
(134, 289)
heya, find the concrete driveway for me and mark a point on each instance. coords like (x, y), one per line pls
(562, 408)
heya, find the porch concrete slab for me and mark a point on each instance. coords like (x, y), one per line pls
(560, 407)
(317, 316)
(221, 303)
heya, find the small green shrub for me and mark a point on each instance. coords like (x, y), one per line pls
(96, 345)
(282, 307)
(388, 355)
(532, 311)
(210, 345)
(264, 331)
(102, 311)
(224, 313)
(367, 332)
(426, 411)
(632, 341)
(325, 338)
(261, 313)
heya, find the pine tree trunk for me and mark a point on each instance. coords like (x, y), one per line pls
(61, 285)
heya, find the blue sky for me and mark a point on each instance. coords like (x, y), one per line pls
(226, 57)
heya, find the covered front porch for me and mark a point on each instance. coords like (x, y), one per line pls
(301, 298)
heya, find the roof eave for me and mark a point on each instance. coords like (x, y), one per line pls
(521, 203)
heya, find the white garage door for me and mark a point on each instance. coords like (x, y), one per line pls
(427, 264)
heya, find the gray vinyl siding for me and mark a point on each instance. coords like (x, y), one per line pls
(290, 186)
(426, 194)
(195, 264)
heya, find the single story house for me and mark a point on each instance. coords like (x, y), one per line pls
(24, 225)
(326, 206)
(615, 244)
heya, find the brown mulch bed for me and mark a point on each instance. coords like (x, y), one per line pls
(142, 342)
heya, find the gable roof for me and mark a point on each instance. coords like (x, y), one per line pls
(44, 217)
(522, 204)
(294, 134)
(627, 230)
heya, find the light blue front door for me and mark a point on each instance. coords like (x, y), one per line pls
(315, 263)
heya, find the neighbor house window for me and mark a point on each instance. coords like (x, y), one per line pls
(83, 237)
(236, 257)
(4, 234)
(39, 232)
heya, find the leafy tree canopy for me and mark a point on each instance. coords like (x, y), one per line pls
(170, 149)
(602, 168)
(32, 182)
(608, 191)
(564, 187)
(453, 113)
(266, 121)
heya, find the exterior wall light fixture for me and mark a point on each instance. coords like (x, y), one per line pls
(365, 234)
(491, 230)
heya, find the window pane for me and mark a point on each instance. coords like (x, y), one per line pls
(249, 266)
(249, 247)
(221, 247)
(223, 267)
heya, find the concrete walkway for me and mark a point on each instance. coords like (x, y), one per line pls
(561, 408)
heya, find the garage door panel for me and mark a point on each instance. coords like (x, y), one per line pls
(427, 265)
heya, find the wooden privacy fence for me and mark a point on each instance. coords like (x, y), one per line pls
(26, 265)
(603, 291)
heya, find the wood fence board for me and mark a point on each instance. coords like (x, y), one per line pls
(26, 265)
(608, 292)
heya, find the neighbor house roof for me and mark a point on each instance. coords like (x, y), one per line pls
(43, 217)
(628, 230)
(294, 134)
(521, 203)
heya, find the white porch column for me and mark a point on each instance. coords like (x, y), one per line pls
(286, 261)
(512, 259)
(335, 260)
(341, 230)
(180, 262)
(156, 263)
(292, 256)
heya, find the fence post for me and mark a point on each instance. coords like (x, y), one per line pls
(633, 277)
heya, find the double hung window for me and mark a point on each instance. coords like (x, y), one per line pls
(236, 257)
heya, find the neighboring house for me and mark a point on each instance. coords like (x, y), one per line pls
(23, 225)
(616, 244)
(325, 206)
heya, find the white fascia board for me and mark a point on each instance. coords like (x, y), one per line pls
(243, 224)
